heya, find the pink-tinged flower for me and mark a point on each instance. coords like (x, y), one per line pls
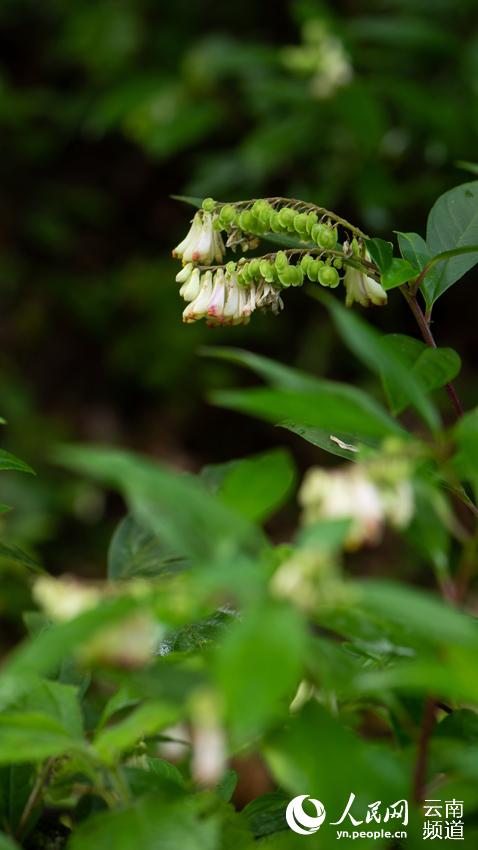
(203, 243)
(216, 305)
(198, 308)
(222, 300)
(190, 278)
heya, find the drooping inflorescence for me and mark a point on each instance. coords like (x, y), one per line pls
(330, 250)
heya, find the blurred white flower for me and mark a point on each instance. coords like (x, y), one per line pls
(352, 492)
(129, 643)
(208, 760)
(209, 751)
(322, 57)
(363, 289)
(203, 243)
(63, 599)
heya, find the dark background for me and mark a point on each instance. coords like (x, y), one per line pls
(108, 108)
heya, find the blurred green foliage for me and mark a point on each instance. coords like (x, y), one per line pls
(105, 110)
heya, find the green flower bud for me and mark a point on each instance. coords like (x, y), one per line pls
(286, 276)
(304, 263)
(227, 215)
(216, 224)
(286, 217)
(259, 207)
(300, 224)
(274, 223)
(281, 261)
(338, 263)
(328, 276)
(231, 266)
(297, 276)
(265, 268)
(256, 226)
(245, 220)
(311, 220)
(208, 204)
(324, 235)
(264, 215)
(254, 268)
(313, 270)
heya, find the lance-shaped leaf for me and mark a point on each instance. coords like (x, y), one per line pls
(369, 346)
(299, 400)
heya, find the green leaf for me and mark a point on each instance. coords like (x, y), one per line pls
(334, 409)
(433, 367)
(227, 785)
(266, 814)
(369, 346)
(256, 487)
(55, 700)
(9, 461)
(123, 736)
(276, 374)
(188, 199)
(316, 754)
(16, 783)
(421, 614)
(414, 249)
(28, 736)
(344, 445)
(43, 653)
(472, 167)
(165, 770)
(7, 843)
(175, 506)
(400, 271)
(319, 403)
(325, 536)
(452, 223)
(466, 458)
(428, 531)
(381, 253)
(135, 551)
(266, 649)
(17, 556)
(148, 825)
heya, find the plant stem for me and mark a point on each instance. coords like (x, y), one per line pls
(420, 773)
(33, 798)
(429, 339)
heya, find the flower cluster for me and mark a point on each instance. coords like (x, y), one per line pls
(221, 298)
(322, 57)
(128, 644)
(370, 496)
(228, 294)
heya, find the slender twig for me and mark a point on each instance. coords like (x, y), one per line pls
(33, 797)
(420, 773)
(429, 339)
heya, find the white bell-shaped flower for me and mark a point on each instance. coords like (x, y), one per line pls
(203, 243)
(362, 288)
